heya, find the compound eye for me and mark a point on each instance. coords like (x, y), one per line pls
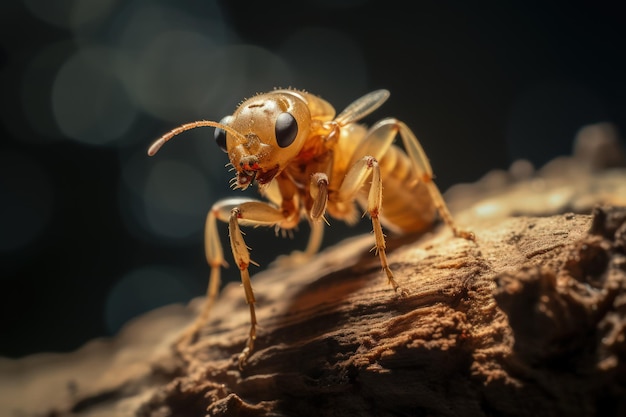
(286, 129)
(220, 134)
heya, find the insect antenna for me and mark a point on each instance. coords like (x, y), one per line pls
(154, 148)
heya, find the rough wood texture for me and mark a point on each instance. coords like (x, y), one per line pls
(529, 320)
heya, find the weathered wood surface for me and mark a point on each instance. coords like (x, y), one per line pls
(529, 320)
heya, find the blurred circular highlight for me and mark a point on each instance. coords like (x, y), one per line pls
(36, 89)
(174, 72)
(143, 290)
(185, 75)
(89, 100)
(176, 198)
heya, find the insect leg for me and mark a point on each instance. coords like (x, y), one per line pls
(215, 259)
(376, 143)
(425, 173)
(229, 211)
(352, 183)
(253, 213)
(315, 239)
(319, 192)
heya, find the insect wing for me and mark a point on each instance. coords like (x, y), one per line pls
(361, 107)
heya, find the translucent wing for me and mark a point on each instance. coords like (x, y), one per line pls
(361, 107)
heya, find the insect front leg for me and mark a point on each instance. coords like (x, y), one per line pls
(253, 213)
(232, 211)
(352, 183)
(319, 195)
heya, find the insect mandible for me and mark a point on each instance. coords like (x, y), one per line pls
(308, 162)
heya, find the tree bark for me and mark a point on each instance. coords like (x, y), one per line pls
(528, 320)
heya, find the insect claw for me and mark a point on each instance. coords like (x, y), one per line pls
(402, 292)
(243, 358)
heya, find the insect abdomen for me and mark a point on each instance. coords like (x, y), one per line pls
(407, 205)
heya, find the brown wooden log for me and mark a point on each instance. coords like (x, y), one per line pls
(528, 320)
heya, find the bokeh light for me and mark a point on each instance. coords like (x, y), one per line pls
(145, 289)
(89, 100)
(36, 87)
(169, 200)
(175, 195)
(166, 197)
(251, 69)
(164, 86)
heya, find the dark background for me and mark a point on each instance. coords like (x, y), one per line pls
(92, 231)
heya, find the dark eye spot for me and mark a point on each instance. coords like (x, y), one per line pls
(220, 134)
(286, 129)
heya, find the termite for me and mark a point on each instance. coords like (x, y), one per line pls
(309, 163)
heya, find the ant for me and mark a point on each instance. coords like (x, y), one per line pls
(309, 163)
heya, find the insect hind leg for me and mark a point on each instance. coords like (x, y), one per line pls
(425, 173)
